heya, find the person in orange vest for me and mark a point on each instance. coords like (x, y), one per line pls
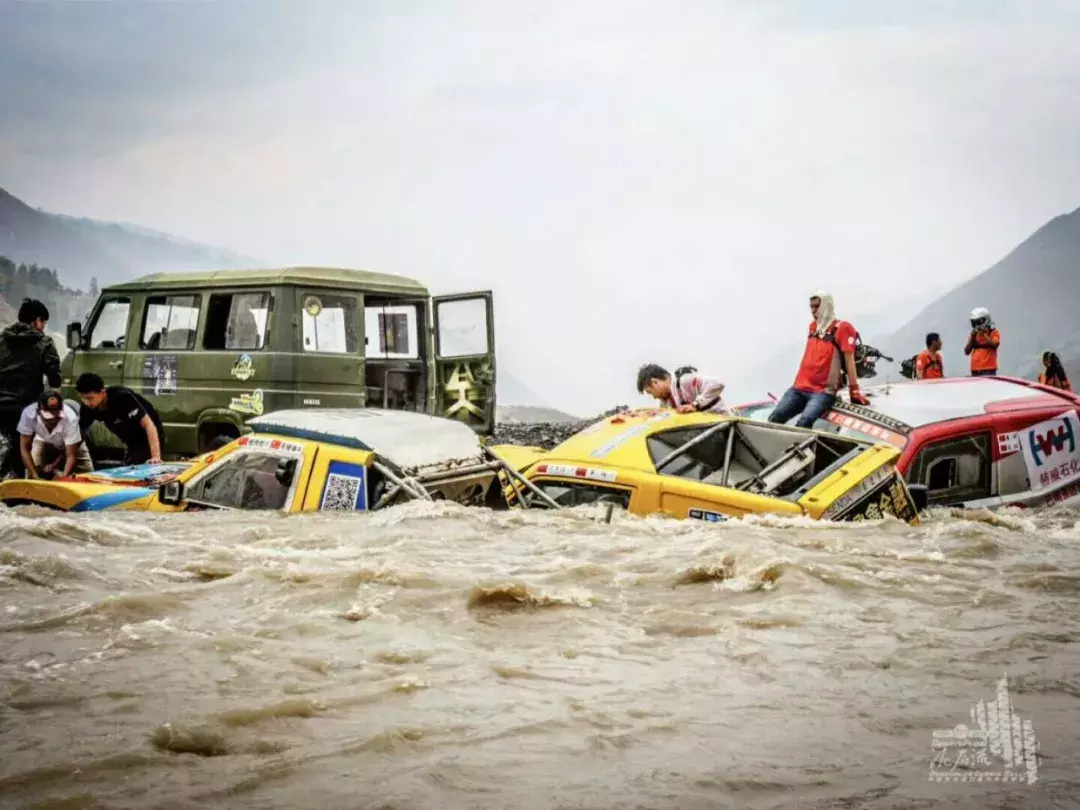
(928, 365)
(1054, 373)
(982, 345)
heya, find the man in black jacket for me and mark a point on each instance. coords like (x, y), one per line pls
(27, 355)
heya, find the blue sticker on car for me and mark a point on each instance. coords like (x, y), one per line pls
(345, 489)
(704, 514)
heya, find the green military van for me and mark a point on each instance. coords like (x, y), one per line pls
(212, 349)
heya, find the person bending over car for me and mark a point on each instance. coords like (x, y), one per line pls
(830, 348)
(50, 439)
(131, 418)
(689, 391)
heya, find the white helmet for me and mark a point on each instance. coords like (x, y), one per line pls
(980, 316)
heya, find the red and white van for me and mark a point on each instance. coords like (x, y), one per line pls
(971, 441)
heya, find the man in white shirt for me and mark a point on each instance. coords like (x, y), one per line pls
(50, 439)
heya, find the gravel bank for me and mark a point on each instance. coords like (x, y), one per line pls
(544, 434)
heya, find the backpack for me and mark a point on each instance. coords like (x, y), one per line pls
(681, 372)
(907, 367)
(866, 357)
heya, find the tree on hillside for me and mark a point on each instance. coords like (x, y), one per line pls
(43, 283)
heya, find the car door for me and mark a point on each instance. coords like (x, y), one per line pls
(957, 470)
(464, 327)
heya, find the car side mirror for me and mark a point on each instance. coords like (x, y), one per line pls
(286, 469)
(920, 495)
(171, 494)
(74, 335)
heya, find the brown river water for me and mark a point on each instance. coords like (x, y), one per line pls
(433, 656)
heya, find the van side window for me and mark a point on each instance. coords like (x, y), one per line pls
(330, 324)
(237, 321)
(391, 332)
(170, 322)
(110, 327)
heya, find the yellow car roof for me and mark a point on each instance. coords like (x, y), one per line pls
(619, 441)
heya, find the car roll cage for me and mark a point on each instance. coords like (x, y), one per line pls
(795, 459)
(417, 486)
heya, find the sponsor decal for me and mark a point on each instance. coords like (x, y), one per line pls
(1050, 451)
(292, 448)
(706, 515)
(1008, 443)
(880, 493)
(159, 375)
(570, 471)
(311, 402)
(344, 489)
(244, 368)
(869, 428)
(248, 403)
(870, 415)
(1066, 493)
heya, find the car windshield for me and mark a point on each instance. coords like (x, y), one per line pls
(762, 412)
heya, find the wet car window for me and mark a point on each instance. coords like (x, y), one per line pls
(245, 481)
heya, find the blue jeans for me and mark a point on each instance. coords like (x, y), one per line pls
(793, 402)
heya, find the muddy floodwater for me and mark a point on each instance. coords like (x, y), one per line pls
(432, 656)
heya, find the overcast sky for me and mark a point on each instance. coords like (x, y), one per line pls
(636, 181)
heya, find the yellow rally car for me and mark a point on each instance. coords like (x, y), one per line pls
(712, 467)
(295, 461)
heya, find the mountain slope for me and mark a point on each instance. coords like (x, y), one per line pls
(1033, 295)
(82, 249)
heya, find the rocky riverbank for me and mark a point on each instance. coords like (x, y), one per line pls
(544, 434)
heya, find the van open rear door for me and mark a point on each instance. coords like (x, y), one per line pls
(464, 326)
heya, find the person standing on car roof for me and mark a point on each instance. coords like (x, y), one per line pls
(982, 344)
(830, 349)
(689, 392)
(50, 439)
(27, 355)
(928, 364)
(1053, 373)
(131, 418)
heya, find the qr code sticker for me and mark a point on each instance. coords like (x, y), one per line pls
(341, 492)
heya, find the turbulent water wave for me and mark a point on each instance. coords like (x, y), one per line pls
(437, 656)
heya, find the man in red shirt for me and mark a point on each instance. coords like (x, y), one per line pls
(830, 347)
(928, 364)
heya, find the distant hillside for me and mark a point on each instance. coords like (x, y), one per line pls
(1033, 295)
(85, 249)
